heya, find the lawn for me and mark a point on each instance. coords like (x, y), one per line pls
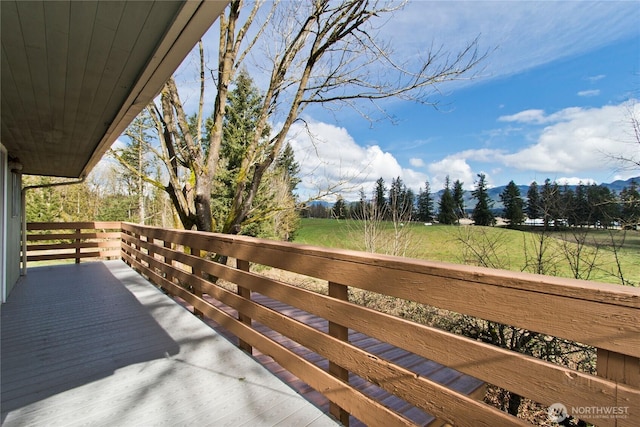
(499, 247)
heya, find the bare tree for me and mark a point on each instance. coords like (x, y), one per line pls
(484, 247)
(582, 255)
(540, 253)
(617, 241)
(317, 52)
(368, 223)
(631, 161)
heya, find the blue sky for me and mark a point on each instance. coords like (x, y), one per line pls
(554, 96)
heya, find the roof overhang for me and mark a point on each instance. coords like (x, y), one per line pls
(75, 74)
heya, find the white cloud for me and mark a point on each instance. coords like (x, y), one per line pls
(593, 79)
(578, 139)
(455, 167)
(527, 116)
(540, 117)
(330, 158)
(416, 163)
(587, 93)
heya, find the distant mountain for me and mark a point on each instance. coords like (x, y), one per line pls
(494, 193)
(618, 185)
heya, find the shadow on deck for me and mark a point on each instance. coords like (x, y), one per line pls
(421, 366)
(96, 344)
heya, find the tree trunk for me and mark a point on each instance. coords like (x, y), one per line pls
(202, 201)
(514, 403)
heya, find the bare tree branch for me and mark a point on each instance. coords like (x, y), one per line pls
(319, 53)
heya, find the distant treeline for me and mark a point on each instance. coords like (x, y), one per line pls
(549, 204)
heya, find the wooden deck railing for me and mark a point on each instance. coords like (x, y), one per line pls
(49, 241)
(604, 316)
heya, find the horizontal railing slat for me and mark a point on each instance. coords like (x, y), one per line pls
(112, 235)
(72, 255)
(87, 225)
(83, 245)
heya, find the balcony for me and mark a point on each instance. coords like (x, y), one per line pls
(141, 356)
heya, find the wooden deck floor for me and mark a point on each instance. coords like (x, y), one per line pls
(95, 344)
(424, 367)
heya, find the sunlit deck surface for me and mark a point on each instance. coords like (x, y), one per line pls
(427, 368)
(96, 344)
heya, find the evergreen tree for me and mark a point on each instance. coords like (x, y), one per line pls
(549, 199)
(513, 204)
(362, 209)
(339, 210)
(603, 204)
(581, 209)
(447, 206)
(569, 205)
(80, 203)
(379, 198)
(409, 201)
(482, 214)
(395, 194)
(287, 165)
(135, 164)
(425, 203)
(136, 155)
(238, 129)
(115, 207)
(458, 199)
(534, 210)
(272, 211)
(240, 120)
(43, 204)
(401, 201)
(630, 209)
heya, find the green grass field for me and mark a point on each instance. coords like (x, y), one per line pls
(503, 248)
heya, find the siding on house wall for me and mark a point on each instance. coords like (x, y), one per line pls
(3, 223)
(14, 228)
(10, 224)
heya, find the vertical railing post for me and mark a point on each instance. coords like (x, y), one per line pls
(197, 289)
(340, 332)
(78, 231)
(134, 245)
(618, 367)
(123, 246)
(244, 293)
(168, 262)
(150, 251)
